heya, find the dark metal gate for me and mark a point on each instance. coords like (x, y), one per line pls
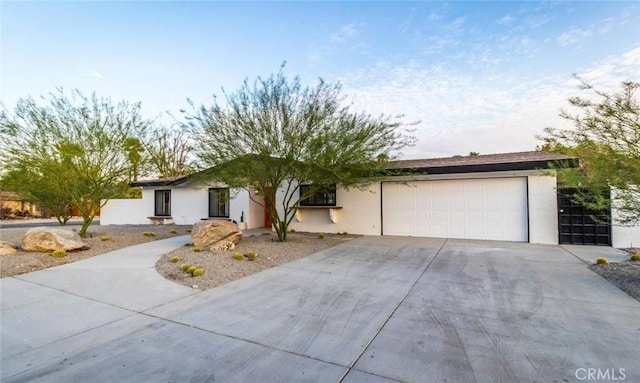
(579, 225)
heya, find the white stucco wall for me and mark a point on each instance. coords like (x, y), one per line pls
(623, 236)
(189, 204)
(543, 209)
(123, 212)
(360, 213)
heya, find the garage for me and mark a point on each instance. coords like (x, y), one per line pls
(482, 208)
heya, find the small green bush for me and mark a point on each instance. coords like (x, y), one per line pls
(198, 272)
(635, 257)
(148, 234)
(345, 233)
(238, 256)
(321, 235)
(252, 255)
(174, 231)
(191, 269)
(188, 230)
(197, 249)
(292, 231)
(104, 238)
(188, 244)
(185, 266)
(175, 259)
(601, 260)
(59, 253)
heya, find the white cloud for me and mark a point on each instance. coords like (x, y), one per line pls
(505, 20)
(346, 32)
(460, 112)
(574, 36)
(95, 74)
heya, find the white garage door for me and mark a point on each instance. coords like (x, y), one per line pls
(490, 208)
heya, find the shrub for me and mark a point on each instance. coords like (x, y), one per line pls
(345, 233)
(148, 234)
(252, 255)
(601, 260)
(191, 269)
(198, 272)
(238, 256)
(185, 266)
(188, 244)
(321, 235)
(292, 231)
(197, 249)
(188, 230)
(59, 253)
(173, 231)
(104, 238)
(266, 233)
(174, 259)
(635, 257)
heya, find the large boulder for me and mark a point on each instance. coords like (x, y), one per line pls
(7, 248)
(215, 234)
(45, 239)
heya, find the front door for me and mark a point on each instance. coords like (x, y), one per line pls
(268, 203)
(579, 225)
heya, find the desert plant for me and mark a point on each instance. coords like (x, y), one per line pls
(292, 231)
(185, 266)
(238, 256)
(191, 269)
(198, 272)
(266, 233)
(252, 255)
(188, 244)
(148, 234)
(188, 230)
(345, 233)
(59, 253)
(197, 249)
(635, 257)
(104, 238)
(601, 260)
(173, 231)
(321, 235)
(174, 259)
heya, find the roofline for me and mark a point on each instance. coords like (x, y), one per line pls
(483, 168)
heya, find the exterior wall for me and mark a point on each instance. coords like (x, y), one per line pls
(361, 209)
(621, 236)
(189, 204)
(543, 209)
(123, 212)
(360, 213)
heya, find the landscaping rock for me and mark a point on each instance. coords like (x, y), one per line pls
(223, 246)
(212, 233)
(7, 248)
(45, 239)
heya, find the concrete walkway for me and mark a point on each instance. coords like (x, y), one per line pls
(375, 309)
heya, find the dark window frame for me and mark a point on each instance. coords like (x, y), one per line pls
(325, 196)
(217, 213)
(162, 208)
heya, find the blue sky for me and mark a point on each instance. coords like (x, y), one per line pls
(479, 76)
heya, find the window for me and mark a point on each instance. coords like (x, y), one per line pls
(163, 203)
(322, 197)
(219, 202)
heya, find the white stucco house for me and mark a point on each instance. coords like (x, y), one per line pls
(506, 197)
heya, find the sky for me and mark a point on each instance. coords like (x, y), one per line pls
(474, 76)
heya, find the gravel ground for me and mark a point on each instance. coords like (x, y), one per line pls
(624, 275)
(119, 236)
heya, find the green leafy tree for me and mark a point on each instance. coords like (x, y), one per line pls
(606, 138)
(275, 134)
(83, 144)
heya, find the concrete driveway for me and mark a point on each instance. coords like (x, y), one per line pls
(376, 309)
